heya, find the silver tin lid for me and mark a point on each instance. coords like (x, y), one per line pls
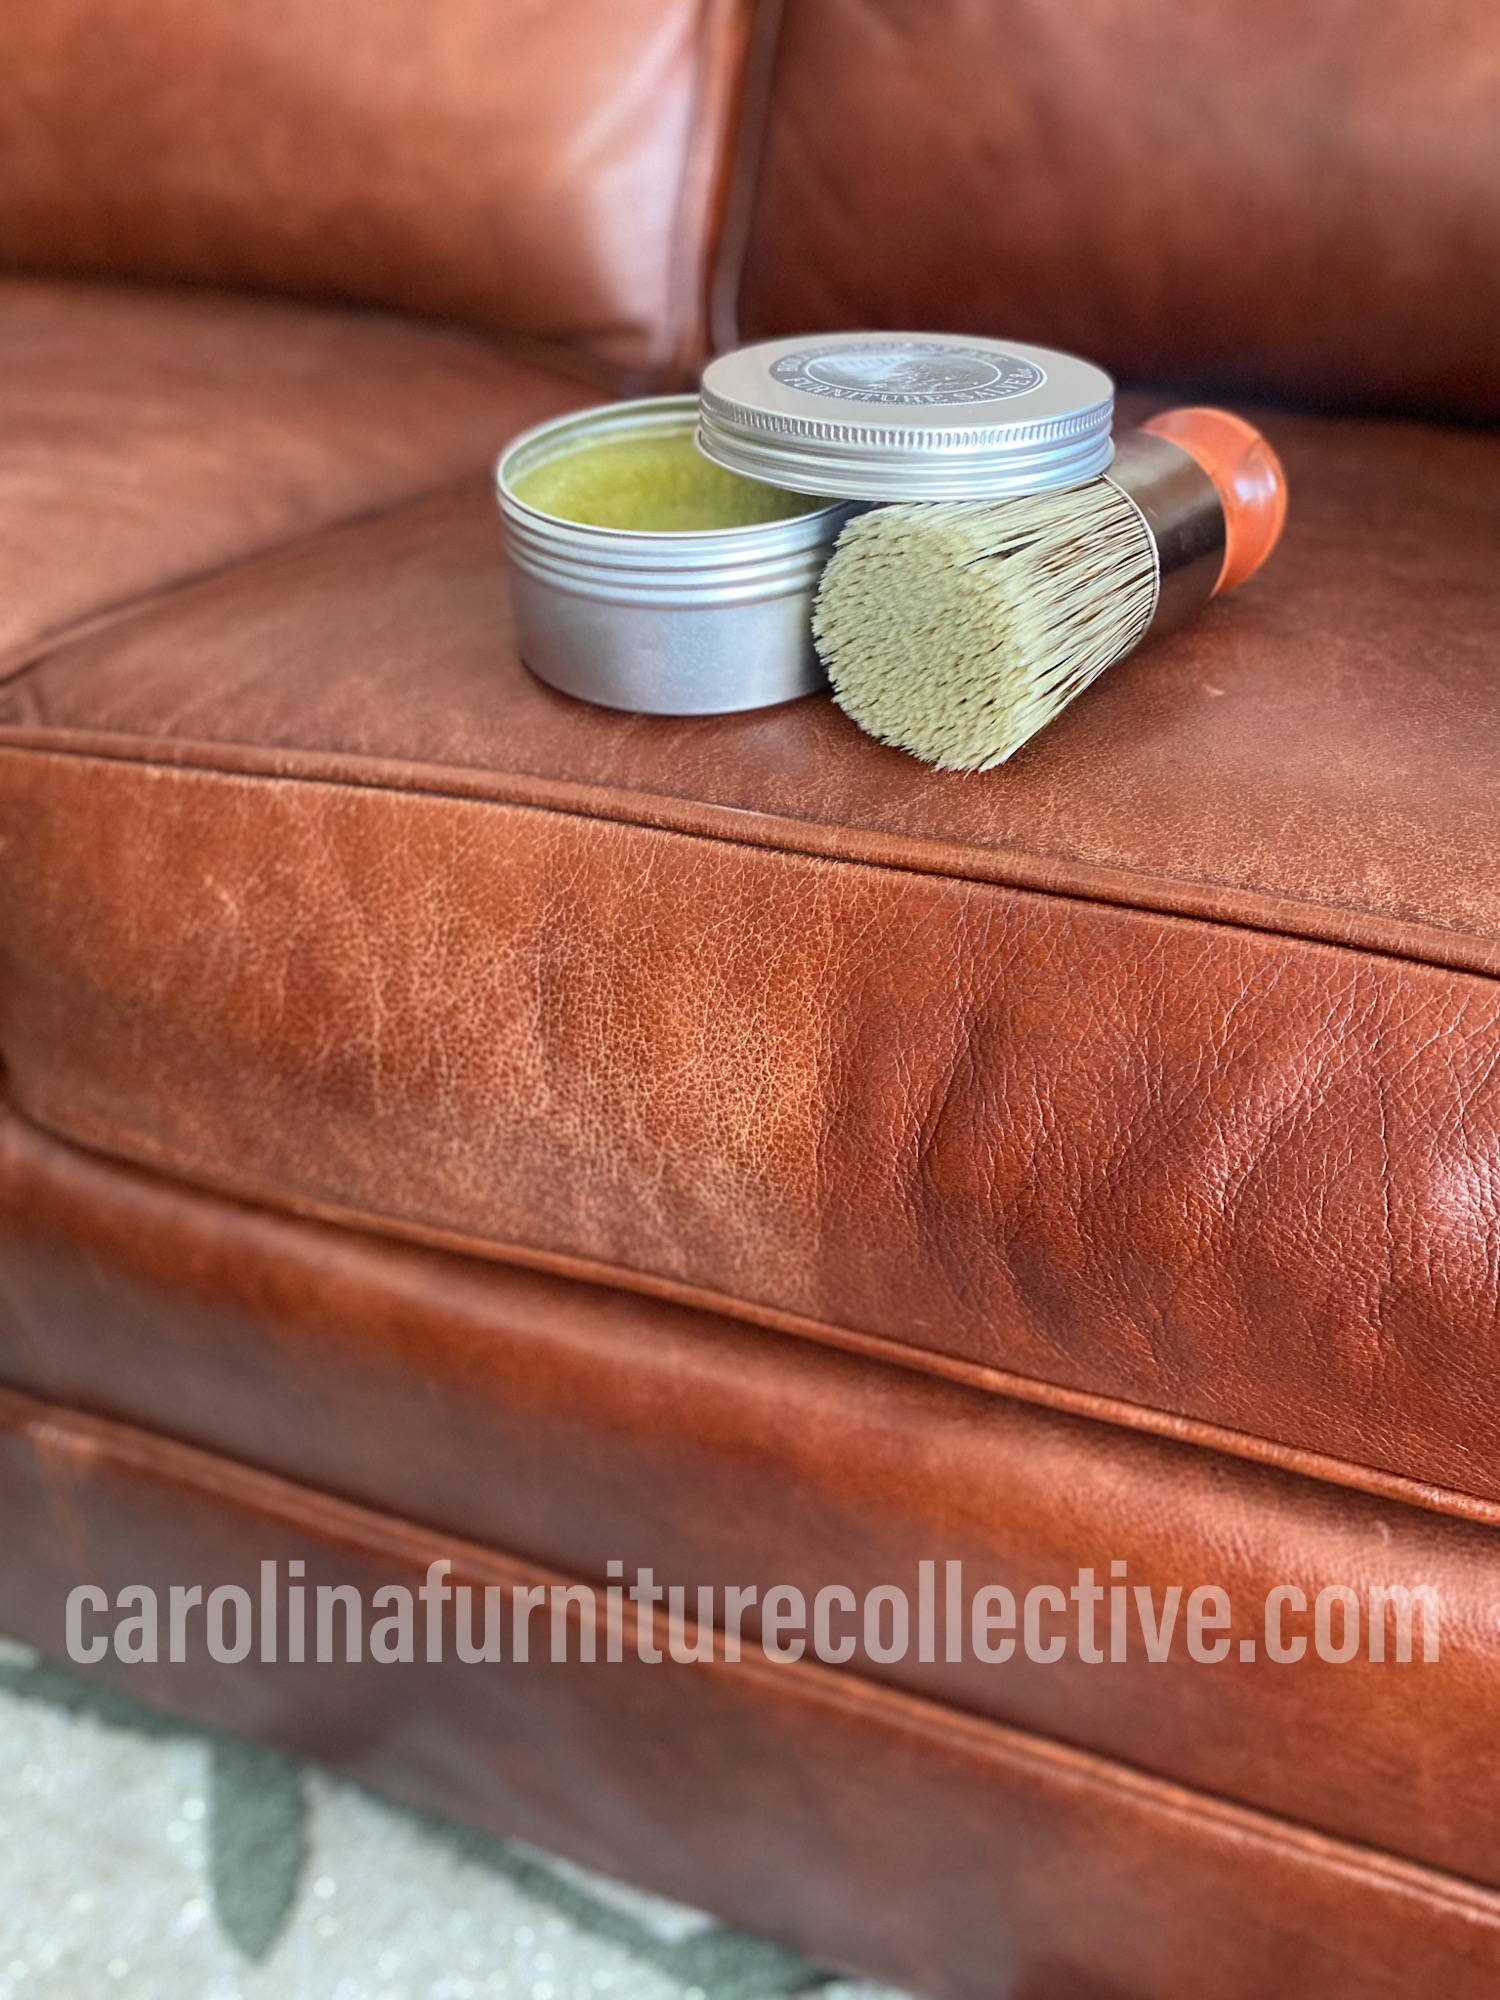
(907, 416)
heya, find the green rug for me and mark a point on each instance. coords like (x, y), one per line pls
(141, 1859)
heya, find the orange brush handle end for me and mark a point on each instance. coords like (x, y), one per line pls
(1247, 476)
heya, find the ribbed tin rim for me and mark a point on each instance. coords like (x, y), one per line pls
(647, 566)
(785, 439)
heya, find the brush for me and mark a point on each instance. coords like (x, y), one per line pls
(958, 630)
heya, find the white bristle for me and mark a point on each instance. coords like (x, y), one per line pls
(958, 631)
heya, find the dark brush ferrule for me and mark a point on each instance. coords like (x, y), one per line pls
(1184, 517)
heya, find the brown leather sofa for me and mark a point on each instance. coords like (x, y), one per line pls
(449, 1120)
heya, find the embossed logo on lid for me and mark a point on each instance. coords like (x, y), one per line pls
(908, 372)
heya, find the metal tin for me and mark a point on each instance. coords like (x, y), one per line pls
(907, 416)
(699, 623)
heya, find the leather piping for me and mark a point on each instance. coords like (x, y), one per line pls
(1227, 905)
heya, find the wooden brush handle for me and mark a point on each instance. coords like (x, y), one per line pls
(1247, 476)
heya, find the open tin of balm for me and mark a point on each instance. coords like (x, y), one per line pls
(646, 577)
(665, 553)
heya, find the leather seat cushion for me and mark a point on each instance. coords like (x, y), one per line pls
(794, 1799)
(148, 434)
(1154, 1074)
(578, 1425)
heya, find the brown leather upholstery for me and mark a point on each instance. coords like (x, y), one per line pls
(548, 171)
(1284, 198)
(864, 1827)
(578, 1425)
(726, 1145)
(43, 1552)
(147, 435)
(1056, 1078)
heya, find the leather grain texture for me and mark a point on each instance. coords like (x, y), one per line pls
(790, 1798)
(552, 171)
(149, 434)
(1285, 199)
(1060, 1078)
(580, 1426)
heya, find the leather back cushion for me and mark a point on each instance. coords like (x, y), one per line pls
(544, 167)
(1294, 196)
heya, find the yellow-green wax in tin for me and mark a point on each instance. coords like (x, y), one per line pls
(655, 482)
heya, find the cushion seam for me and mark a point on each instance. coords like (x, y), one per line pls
(722, 30)
(264, 765)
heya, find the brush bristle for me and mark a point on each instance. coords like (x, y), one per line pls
(958, 631)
